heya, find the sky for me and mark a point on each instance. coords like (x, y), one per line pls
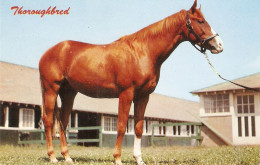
(24, 38)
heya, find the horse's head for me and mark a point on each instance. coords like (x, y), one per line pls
(199, 32)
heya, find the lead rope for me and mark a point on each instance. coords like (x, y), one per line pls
(213, 68)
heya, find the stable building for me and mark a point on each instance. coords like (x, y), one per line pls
(20, 109)
(232, 112)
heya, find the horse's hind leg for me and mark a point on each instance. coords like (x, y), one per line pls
(49, 94)
(67, 95)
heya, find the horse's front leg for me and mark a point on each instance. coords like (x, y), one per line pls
(139, 110)
(125, 100)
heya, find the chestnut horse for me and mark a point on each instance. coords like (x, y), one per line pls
(128, 69)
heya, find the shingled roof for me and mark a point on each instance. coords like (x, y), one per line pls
(252, 81)
(20, 84)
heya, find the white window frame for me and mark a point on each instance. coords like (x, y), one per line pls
(246, 140)
(242, 116)
(76, 123)
(75, 119)
(169, 130)
(203, 109)
(184, 131)
(149, 127)
(162, 128)
(112, 125)
(21, 120)
(144, 128)
(243, 104)
(214, 103)
(6, 118)
(130, 126)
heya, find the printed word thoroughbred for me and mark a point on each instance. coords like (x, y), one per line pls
(49, 11)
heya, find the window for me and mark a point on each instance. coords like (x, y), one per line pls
(169, 130)
(192, 129)
(26, 118)
(107, 125)
(239, 127)
(245, 104)
(130, 126)
(246, 126)
(149, 127)
(114, 124)
(73, 120)
(162, 129)
(186, 130)
(216, 103)
(246, 116)
(174, 130)
(144, 127)
(2, 115)
(253, 125)
(110, 124)
(13, 117)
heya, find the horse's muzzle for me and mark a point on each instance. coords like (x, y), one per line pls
(216, 45)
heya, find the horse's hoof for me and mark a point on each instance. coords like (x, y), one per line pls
(139, 160)
(118, 162)
(54, 160)
(141, 163)
(68, 160)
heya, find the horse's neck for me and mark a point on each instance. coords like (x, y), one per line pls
(161, 38)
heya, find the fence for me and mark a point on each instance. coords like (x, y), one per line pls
(165, 137)
(42, 140)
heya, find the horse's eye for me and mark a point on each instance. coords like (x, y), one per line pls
(200, 21)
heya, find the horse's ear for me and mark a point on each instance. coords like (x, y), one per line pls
(200, 7)
(193, 7)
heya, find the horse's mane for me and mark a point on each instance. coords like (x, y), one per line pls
(156, 29)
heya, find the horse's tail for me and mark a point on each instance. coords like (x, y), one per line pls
(42, 105)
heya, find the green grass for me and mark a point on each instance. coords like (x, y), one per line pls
(242, 155)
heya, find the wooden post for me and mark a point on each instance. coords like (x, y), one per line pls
(100, 137)
(19, 140)
(42, 140)
(197, 134)
(152, 138)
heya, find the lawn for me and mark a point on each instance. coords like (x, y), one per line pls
(242, 155)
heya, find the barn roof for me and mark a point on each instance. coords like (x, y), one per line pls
(20, 84)
(252, 81)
